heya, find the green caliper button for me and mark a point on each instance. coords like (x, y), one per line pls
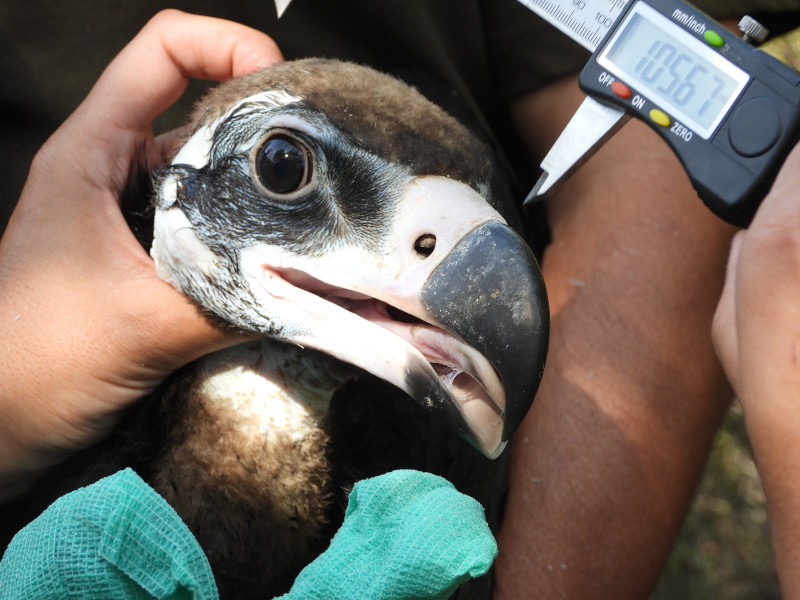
(713, 38)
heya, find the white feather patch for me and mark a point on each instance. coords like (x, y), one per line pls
(266, 389)
(176, 249)
(258, 405)
(196, 150)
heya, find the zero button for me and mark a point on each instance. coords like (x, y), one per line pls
(659, 117)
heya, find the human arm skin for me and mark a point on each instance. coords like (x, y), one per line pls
(86, 326)
(757, 335)
(605, 464)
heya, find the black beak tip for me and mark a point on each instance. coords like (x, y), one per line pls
(490, 291)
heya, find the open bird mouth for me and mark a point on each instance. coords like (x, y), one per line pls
(464, 372)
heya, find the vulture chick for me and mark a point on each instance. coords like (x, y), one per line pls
(354, 225)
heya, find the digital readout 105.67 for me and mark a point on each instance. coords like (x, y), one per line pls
(673, 69)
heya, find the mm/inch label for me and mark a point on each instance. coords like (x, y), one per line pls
(585, 21)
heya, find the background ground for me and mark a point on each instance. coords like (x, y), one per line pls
(723, 552)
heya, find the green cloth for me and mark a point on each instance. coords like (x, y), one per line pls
(115, 539)
(406, 534)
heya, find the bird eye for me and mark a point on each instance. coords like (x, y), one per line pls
(283, 165)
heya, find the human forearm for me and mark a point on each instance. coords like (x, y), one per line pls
(607, 460)
(775, 434)
(768, 387)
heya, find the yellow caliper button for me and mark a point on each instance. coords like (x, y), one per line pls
(659, 117)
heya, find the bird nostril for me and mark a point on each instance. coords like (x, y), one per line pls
(425, 244)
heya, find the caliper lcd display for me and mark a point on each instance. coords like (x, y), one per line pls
(673, 69)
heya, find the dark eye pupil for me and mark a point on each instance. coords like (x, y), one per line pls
(281, 165)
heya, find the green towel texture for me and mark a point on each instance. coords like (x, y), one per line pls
(116, 539)
(406, 535)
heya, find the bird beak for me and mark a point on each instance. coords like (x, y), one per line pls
(488, 291)
(462, 329)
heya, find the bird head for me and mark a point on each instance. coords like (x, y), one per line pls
(330, 206)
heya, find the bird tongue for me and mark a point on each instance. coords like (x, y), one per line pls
(464, 371)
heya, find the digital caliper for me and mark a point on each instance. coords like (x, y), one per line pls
(730, 112)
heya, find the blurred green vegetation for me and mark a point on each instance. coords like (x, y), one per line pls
(724, 551)
(785, 48)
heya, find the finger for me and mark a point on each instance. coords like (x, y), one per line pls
(724, 330)
(96, 145)
(152, 71)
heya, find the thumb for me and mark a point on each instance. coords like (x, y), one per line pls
(724, 330)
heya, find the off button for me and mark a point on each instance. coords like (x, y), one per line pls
(755, 126)
(620, 89)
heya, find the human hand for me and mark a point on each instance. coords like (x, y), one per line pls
(757, 337)
(87, 327)
(756, 328)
